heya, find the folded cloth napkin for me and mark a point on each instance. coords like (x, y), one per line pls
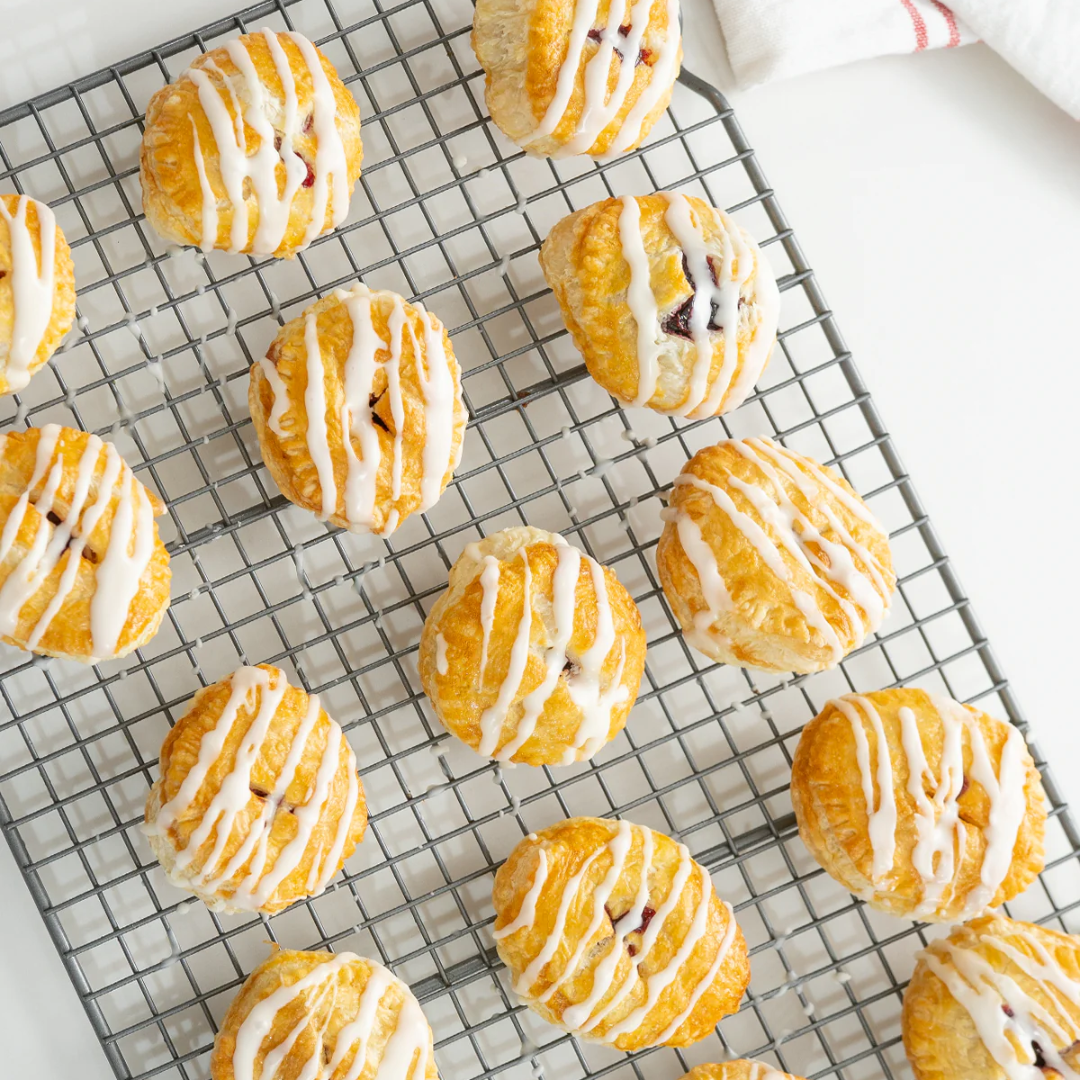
(774, 39)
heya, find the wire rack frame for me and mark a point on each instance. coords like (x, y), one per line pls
(449, 212)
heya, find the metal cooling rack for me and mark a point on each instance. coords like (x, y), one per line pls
(447, 211)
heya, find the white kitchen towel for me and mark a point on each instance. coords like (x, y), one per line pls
(775, 39)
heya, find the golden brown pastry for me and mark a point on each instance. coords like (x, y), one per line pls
(334, 1016)
(770, 560)
(83, 572)
(920, 805)
(571, 77)
(995, 1000)
(649, 287)
(257, 803)
(615, 933)
(255, 148)
(545, 683)
(37, 289)
(738, 1070)
(385, 371)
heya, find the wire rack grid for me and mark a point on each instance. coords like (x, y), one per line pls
(449, 212)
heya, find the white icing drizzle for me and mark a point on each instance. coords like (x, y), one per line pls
(940, 834)
(489, 584)
(526, 915)
(237, 165)
(704, 400)
(209, 199)
(640, 299)
(409, 1039)
(584, 684)
(882, 819)
(119, 571)
(32, 286)
(491, 719)
(234, 795)
(584, 17)
(760, 1071)
(984, 992)
(442, 665)
(860, 591)
(663, 75)
(318, 439)
(362, 364)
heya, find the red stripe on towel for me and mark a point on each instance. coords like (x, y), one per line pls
(921, 39)
(950, 18)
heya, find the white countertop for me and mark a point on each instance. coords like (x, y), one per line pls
(936, 197)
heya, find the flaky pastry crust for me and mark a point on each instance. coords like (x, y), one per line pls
(268, 183)
(535, 63)
(995, 1000)
(257, 803)
(390, 367)
(925, 846)
(37, 296)
(83, 572)
(743, 1069)
(307, 1014)
(545, 687)
(615, 933)
(626, 290)
(770, 560)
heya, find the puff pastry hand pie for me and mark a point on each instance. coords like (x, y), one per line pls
(358, 409)
(738, 1070)
(920, 805)
(37, 289)
(255, 148)
(671, 304)
(257, 803)
(569, 77)
(770, 560)
(330, 1016)
(995, 1000)
(615, 933)
(535, 652)
(83, 572)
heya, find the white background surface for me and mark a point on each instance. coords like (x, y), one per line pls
(937, 198)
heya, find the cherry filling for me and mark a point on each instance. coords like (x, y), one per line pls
(963, 788)
(376, 419)
(677, 323)
(1036, 1049)
(259, 793)
(643, 56)
(647, 914)
(309, 179)
(86, 553)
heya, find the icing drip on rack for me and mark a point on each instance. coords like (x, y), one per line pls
(409, 1039)
(255, 688)
(589, 1013)
(32, 286)
(939, 830)
(622, 37)
(119, 570)
(1006, 1017)
(584, 679)
(369, 354)
(777, 526)
(253, 104)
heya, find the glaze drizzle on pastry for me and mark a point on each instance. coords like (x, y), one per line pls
(352, 1043)
(585, 685)
(242, 168)
(608, 992)
(940, 831)
(119, 568)
(258, 688)
(369, 354)
(860, 588)
(714, 306)
(32, 286)
(1024, 1035)
(621, 37)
